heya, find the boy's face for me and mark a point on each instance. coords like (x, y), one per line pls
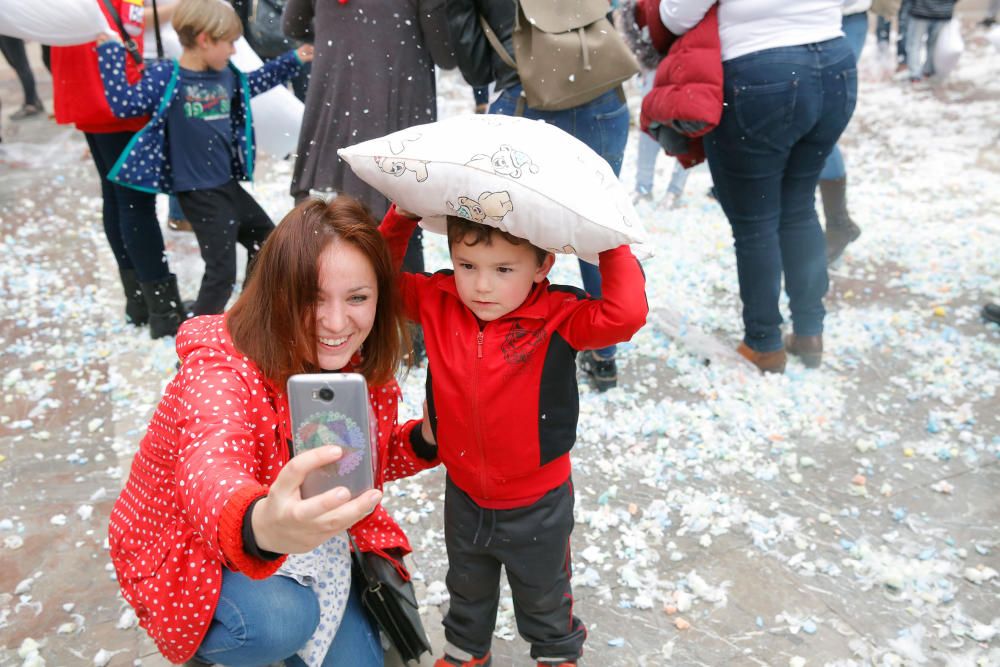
(494, 279)
(216, 53)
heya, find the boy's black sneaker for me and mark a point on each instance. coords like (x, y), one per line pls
(602, 372)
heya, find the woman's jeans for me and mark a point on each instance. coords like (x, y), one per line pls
(919, 28)
(855, 27)
(258, 622)
(129, 215)
(602, 124)
(883, 28)
(785, 109)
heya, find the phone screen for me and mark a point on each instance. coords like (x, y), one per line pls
(333, 409)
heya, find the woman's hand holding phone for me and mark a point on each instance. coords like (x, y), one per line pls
(284, 522)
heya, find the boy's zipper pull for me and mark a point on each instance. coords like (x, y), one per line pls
(479, 344)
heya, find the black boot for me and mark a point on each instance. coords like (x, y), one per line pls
(166, 310)
(135, 306)
(840, 229)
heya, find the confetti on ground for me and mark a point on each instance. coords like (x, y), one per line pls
(846, 513)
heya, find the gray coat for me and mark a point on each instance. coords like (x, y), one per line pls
(372, 74)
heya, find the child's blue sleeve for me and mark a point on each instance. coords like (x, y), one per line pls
(273, 73)
(125, 100)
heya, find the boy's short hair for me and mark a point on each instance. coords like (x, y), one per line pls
(217, 18)
(473, 233)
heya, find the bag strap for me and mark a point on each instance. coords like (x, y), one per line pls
(371, 581)
(156, 28)
(127, 41)
(495, 43)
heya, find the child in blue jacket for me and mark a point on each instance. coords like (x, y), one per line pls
(199, 141)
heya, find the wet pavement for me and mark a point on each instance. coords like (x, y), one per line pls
(841, 516)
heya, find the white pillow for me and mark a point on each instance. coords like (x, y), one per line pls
(525, 177)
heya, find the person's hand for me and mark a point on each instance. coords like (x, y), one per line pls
(406, 214)
(107, 37)
(305, 53)
(671, 141)
(284, 522)
(425, 428)
(689, 128)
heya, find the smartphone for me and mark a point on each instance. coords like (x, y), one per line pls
(333, 409)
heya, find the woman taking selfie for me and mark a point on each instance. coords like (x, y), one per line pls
(201, 531)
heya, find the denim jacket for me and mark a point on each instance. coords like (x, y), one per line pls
(144, 164)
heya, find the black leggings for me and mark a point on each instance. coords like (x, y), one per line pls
(221, 217)
(13, 51)
(129, 215)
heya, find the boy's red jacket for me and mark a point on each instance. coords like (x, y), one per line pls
(688, 81)
(503, 399)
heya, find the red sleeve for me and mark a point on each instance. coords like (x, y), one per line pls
(231, 536)
(647, 13)
(619, 313)
(397, 229)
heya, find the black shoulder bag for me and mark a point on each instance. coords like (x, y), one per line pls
(392, 602)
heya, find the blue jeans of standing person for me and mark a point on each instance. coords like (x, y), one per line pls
(602, 124)
(855, 27)
(785, 109)
(130, 223)
(919, 29)
(258, 622)
(883, 29)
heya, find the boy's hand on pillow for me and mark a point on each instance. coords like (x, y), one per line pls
(406, 214)
(305, 53)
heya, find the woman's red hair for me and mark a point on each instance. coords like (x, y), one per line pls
(273, 322)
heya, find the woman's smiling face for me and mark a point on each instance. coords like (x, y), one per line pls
(345, 306)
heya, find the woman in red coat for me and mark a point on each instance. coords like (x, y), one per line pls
(200, 533)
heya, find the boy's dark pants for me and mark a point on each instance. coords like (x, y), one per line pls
(221, 217)
(532, 543)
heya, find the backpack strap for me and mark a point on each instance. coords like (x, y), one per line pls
(495, 43)
(156, 28)
(127, 41)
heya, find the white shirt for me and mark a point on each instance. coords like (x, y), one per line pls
(747, 26)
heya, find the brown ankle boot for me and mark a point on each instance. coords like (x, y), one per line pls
(807, 348)
(767, 362)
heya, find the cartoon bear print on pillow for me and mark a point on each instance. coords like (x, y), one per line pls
(490, 205)
(398, 166)
(506, 161)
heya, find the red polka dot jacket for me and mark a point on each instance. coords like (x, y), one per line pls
(215, 443)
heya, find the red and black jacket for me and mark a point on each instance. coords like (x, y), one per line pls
(502, 396)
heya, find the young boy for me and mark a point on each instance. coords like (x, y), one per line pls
(199, 141)
(503, 406)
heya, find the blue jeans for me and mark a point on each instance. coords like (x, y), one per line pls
(174, 211)
(883, 30)
(785, 109)
(918, 29)
(602, 124)
(649, 148)
(855, 28)
(258, 622)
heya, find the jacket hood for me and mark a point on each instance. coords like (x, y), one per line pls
(206, 333)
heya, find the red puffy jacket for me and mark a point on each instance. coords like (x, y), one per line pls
(688, 82)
